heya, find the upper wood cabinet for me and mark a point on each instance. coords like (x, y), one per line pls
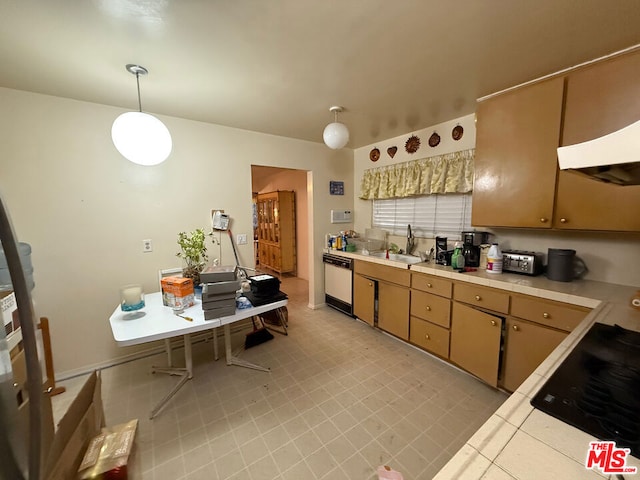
(599, 100)
(516, 160)
(517, 181)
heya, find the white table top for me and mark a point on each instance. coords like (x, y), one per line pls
(159, 322)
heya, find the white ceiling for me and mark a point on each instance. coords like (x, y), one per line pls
(276, 66)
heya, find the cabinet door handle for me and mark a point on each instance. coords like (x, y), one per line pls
(428, 308)
(493, 323)
(427, 336)
(516, 328)
(563, 220)
(546, 315)
(370, 284)
(544, 220)
(429, 285)
(478, 297)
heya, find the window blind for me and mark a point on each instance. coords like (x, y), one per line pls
(428, 215)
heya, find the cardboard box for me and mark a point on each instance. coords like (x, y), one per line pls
(213, 313)
(177, 292)
(108, 453)
(218, 273)
(83, 421)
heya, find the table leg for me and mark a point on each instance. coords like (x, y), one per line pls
(167, 347)
(215, 344)
(233, 360)
(185, 374)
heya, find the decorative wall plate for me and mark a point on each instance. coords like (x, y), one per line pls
(457, 132)
(392, 151)
(374, 155)
(412, 145)
(434, 140)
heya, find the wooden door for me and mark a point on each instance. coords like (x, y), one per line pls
(393, 309)
(364, 297)
(600, 99)
(516, 160)
(475, 342)
(526, 346)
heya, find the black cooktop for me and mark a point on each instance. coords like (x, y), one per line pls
(597, 387)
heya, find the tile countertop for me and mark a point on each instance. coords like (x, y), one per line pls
(518, 441)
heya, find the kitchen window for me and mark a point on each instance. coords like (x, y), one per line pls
(428, 215)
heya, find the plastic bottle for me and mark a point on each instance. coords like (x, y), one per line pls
(494, 259)
(457, 259)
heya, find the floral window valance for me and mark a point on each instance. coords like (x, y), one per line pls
(449, 173)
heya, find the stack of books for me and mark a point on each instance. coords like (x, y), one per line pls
(219, 287)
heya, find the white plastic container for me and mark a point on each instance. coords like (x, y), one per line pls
(494, 259)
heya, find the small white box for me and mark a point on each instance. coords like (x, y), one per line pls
(10, 319)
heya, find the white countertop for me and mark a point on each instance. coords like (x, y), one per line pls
(518, 441)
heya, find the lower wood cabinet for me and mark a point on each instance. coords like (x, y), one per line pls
(432, 338)
(364, 298)
(526, 346)
(498, 336)
(393, 309)
(432, 308)
(475, 342)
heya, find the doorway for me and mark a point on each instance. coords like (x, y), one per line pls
(271, 179)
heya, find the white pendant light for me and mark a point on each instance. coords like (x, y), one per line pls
(336, 134)
(140, 137)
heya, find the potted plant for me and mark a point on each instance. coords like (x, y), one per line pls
(194, 253)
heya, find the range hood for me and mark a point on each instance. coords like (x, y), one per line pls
(613, 158)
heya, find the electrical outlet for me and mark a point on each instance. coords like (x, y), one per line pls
(241, 239)
(147, 246)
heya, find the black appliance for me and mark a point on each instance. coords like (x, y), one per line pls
(264, 285)
(471, 241)
(521, 261)
(443, 257)
(596, 387)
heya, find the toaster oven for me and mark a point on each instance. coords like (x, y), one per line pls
(519, 261)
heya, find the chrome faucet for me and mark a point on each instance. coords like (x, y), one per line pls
(411, 241)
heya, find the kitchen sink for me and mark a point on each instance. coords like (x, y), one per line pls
(397, 257)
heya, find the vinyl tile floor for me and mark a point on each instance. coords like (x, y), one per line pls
(340, 400)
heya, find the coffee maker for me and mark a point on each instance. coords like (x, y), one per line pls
(443, 257)
(471, 241)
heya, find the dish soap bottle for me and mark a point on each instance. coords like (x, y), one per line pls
(457, 259)
(494, 259)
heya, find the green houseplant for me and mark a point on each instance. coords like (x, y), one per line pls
(194, 253)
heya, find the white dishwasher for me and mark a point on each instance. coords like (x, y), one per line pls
(338, 282)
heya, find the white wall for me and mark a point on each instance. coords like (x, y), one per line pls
(610, 257)
(85, 209)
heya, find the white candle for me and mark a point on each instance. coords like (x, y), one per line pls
(131, 295)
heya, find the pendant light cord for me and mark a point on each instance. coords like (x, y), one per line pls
(138, 83)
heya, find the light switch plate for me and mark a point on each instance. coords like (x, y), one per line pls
(241, 239)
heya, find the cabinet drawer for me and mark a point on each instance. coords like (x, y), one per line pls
(562, 316)
(395, 275)
(483, 297)
(431, 307)
(429, 336)
(435, 285)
